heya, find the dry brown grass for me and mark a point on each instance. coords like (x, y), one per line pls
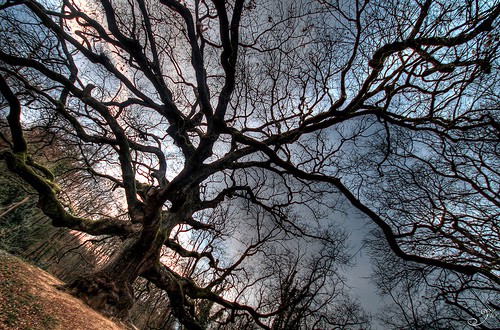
(29, 300)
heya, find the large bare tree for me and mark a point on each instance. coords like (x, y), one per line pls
(247, 125)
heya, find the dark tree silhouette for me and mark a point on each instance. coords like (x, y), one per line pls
(425, 297)
(246, 125)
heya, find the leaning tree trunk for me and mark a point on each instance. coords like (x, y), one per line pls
(109, 290)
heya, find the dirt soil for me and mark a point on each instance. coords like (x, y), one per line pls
(29, 300)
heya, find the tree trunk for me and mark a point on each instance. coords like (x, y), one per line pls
(109, 295)
(109, 290)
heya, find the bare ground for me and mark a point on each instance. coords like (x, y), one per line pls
(29, 300)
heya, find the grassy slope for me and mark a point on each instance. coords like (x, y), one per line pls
(29, 300)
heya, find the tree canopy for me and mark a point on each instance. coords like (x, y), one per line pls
(226, 136)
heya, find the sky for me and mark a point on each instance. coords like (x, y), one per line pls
(358, 227)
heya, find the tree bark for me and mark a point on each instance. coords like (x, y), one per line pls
(109, 290)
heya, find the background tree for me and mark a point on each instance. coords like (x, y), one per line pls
(249, 124)
(28, 233)
(426, 297)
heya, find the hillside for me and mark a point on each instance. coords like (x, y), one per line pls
(29, 300)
